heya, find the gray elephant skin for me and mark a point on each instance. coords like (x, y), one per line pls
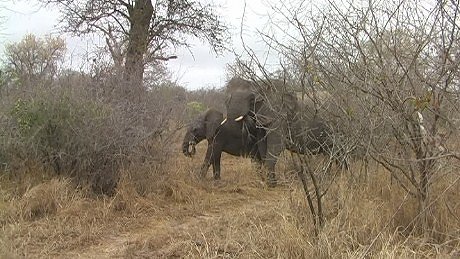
(227, 136)
(280, 124)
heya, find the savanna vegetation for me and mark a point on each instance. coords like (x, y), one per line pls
(91, 163)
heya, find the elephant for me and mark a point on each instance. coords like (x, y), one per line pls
(280, 123)
(223, 136)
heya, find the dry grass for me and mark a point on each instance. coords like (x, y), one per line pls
(167, 212)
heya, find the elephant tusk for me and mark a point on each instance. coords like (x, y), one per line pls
(239, 118)
(191, 148)
(222, 123)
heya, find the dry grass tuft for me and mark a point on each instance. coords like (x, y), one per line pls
(44, 199)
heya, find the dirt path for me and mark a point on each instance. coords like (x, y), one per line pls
(189, 230)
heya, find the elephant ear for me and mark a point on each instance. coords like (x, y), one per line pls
(227, 100)
(290, 102)
(212, 121)
(262, 110)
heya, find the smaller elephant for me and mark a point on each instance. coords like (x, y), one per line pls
(223, 135)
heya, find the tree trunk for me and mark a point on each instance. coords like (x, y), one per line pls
(139, 17)
(427, 167)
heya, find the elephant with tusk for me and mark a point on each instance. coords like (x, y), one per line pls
(280, 123)
(223, 135)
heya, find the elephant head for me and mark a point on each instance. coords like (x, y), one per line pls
(240, 105)
(264, 109)
(203, 127)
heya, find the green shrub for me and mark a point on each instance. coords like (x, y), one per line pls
(194, 109)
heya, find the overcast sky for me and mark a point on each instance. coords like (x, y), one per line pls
(198, 69)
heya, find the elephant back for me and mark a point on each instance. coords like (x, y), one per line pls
(259, 86)
(238, 84)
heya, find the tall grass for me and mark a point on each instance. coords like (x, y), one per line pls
(235, 218)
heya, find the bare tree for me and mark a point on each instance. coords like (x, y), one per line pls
(402, 61)
(391, 69)
(34, 59)
(140, 32)
(405, 62)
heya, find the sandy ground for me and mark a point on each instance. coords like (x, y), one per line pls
(213, 225)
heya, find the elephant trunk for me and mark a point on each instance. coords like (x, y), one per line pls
(188, 145)
(248, 132)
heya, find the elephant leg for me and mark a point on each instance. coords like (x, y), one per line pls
(340, 157)
(216, 164)
(261, 145)
(206, 162)
(255, 155)
(260, 150)
(258, 158)
(342, 163)
(215, 152)
(274, 148)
